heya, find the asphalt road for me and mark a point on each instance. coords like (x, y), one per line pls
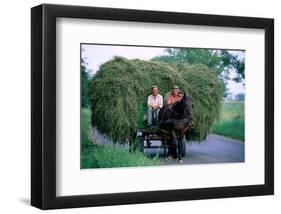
(215, 149)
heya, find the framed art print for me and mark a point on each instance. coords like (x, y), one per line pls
(134, 106)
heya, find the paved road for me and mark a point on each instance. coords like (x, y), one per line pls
(215, 149)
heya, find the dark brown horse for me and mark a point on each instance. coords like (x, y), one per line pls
(174, 122)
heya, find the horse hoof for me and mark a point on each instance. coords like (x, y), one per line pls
(170, 158)
(181, 161)
(166, 159)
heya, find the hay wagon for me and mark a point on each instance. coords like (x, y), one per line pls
(148, 137)
(118, 89)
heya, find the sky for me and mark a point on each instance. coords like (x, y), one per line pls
(96, 55)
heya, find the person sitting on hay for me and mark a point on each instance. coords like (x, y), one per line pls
(154, 104)
(174, 96)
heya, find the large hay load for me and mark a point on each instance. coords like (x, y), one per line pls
(121, 86)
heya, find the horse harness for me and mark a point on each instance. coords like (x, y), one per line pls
(190, 123)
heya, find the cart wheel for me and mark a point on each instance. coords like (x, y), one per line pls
(139, 144)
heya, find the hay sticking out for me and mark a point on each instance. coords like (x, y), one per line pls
(121, 85)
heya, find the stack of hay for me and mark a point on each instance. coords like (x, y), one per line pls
(121, 86)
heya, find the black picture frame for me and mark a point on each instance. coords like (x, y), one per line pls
(43, 106)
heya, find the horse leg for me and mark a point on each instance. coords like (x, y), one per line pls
(179, 149)
(174, 144)
(170, 154)
(174, 137)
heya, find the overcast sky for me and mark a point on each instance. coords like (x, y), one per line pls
(96, 55)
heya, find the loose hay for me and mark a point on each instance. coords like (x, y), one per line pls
(121, 85)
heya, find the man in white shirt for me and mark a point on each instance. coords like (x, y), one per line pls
(154, 103)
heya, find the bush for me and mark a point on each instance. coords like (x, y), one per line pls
(121, 86)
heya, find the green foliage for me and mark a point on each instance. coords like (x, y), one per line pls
(121, 85)
(220, 61)
(142, 109)
(108, 156)
(99, 156)
(85, 126)
(84, 87)
(231, 122)
(206, 91)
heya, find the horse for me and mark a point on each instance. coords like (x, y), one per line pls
(174, 122)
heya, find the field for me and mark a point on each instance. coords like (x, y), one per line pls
(107, 156)
(231, 122)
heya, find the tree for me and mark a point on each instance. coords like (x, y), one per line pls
(220, 61)
(240, 97)
(84, 85)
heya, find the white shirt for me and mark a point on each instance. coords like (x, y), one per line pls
(155, 100)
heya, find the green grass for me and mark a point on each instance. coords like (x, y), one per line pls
(108, 156)
(231, 122)
(85, 125)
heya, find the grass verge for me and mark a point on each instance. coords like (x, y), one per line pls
(108, 156)
(231, 122)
